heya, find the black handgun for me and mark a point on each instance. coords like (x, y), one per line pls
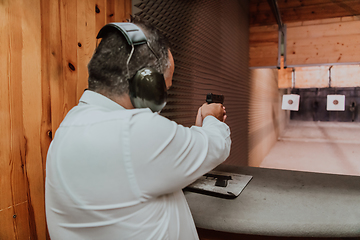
(213, 98)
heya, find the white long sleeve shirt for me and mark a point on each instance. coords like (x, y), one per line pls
(114, 173)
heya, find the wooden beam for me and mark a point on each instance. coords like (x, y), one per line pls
(345, 76)
(302, 10)
(312, 77)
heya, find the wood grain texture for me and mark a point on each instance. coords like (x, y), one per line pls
(318, 76)
(46, 45)
(46, 127)
(336, 42)
(345, 76)
(323, 21)
(110, 11)
(71, 46)
(14, 212)
(32, 114)
(301, 10)
(122, 10)
(56, 69)
(7, 228)
(68, 15)
(100, 14)
(263, 46)
(312, 77)
(318, 10)
(46, 130)
(86, 38)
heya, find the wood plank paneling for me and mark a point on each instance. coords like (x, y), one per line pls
(32, 114)
(46, 45)
(110, 11)
(302, 10)
(7, 227)
(263, 46)
(46, 126)
(308, 9)
(13, 146)
(323, 30)
(263, 5)
(284, 4)
(345, 76)
(336, 42)
(100, 16)
(318, 76)
(86, 42)
(323, 21)
(56, 72)
(122, 10)
(312, 77)
(46, 130)
(68, 29)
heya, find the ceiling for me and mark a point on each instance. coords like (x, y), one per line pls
(301, 10)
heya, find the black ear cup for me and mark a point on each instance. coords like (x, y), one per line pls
(148, 89)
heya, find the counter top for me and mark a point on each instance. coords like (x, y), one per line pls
(283, 203)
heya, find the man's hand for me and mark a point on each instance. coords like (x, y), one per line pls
(214, 109)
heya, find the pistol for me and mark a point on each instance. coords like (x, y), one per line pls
(213, 98)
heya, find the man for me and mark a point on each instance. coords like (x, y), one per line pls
(117, 172)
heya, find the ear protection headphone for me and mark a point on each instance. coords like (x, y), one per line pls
(147, 88)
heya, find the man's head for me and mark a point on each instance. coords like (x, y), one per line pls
(108, 73)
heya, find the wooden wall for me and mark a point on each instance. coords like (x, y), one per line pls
(345, 76)
(263, 46)
(266, 119)
(45, 46)
(302, 10)
(316, 42)
(334, 40)
(312, 48)
(320, 76)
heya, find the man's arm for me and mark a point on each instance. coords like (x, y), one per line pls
(169, 156)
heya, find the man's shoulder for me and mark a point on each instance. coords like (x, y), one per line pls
(146, 116)
(87, 114)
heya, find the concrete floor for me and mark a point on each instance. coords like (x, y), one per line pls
(327, 147)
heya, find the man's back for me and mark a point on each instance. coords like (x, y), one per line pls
(114, 173)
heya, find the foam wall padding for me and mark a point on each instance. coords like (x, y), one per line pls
(210, 44)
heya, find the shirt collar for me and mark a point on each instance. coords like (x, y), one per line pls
(94, 98)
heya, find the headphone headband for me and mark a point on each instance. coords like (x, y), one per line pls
(132, 33)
